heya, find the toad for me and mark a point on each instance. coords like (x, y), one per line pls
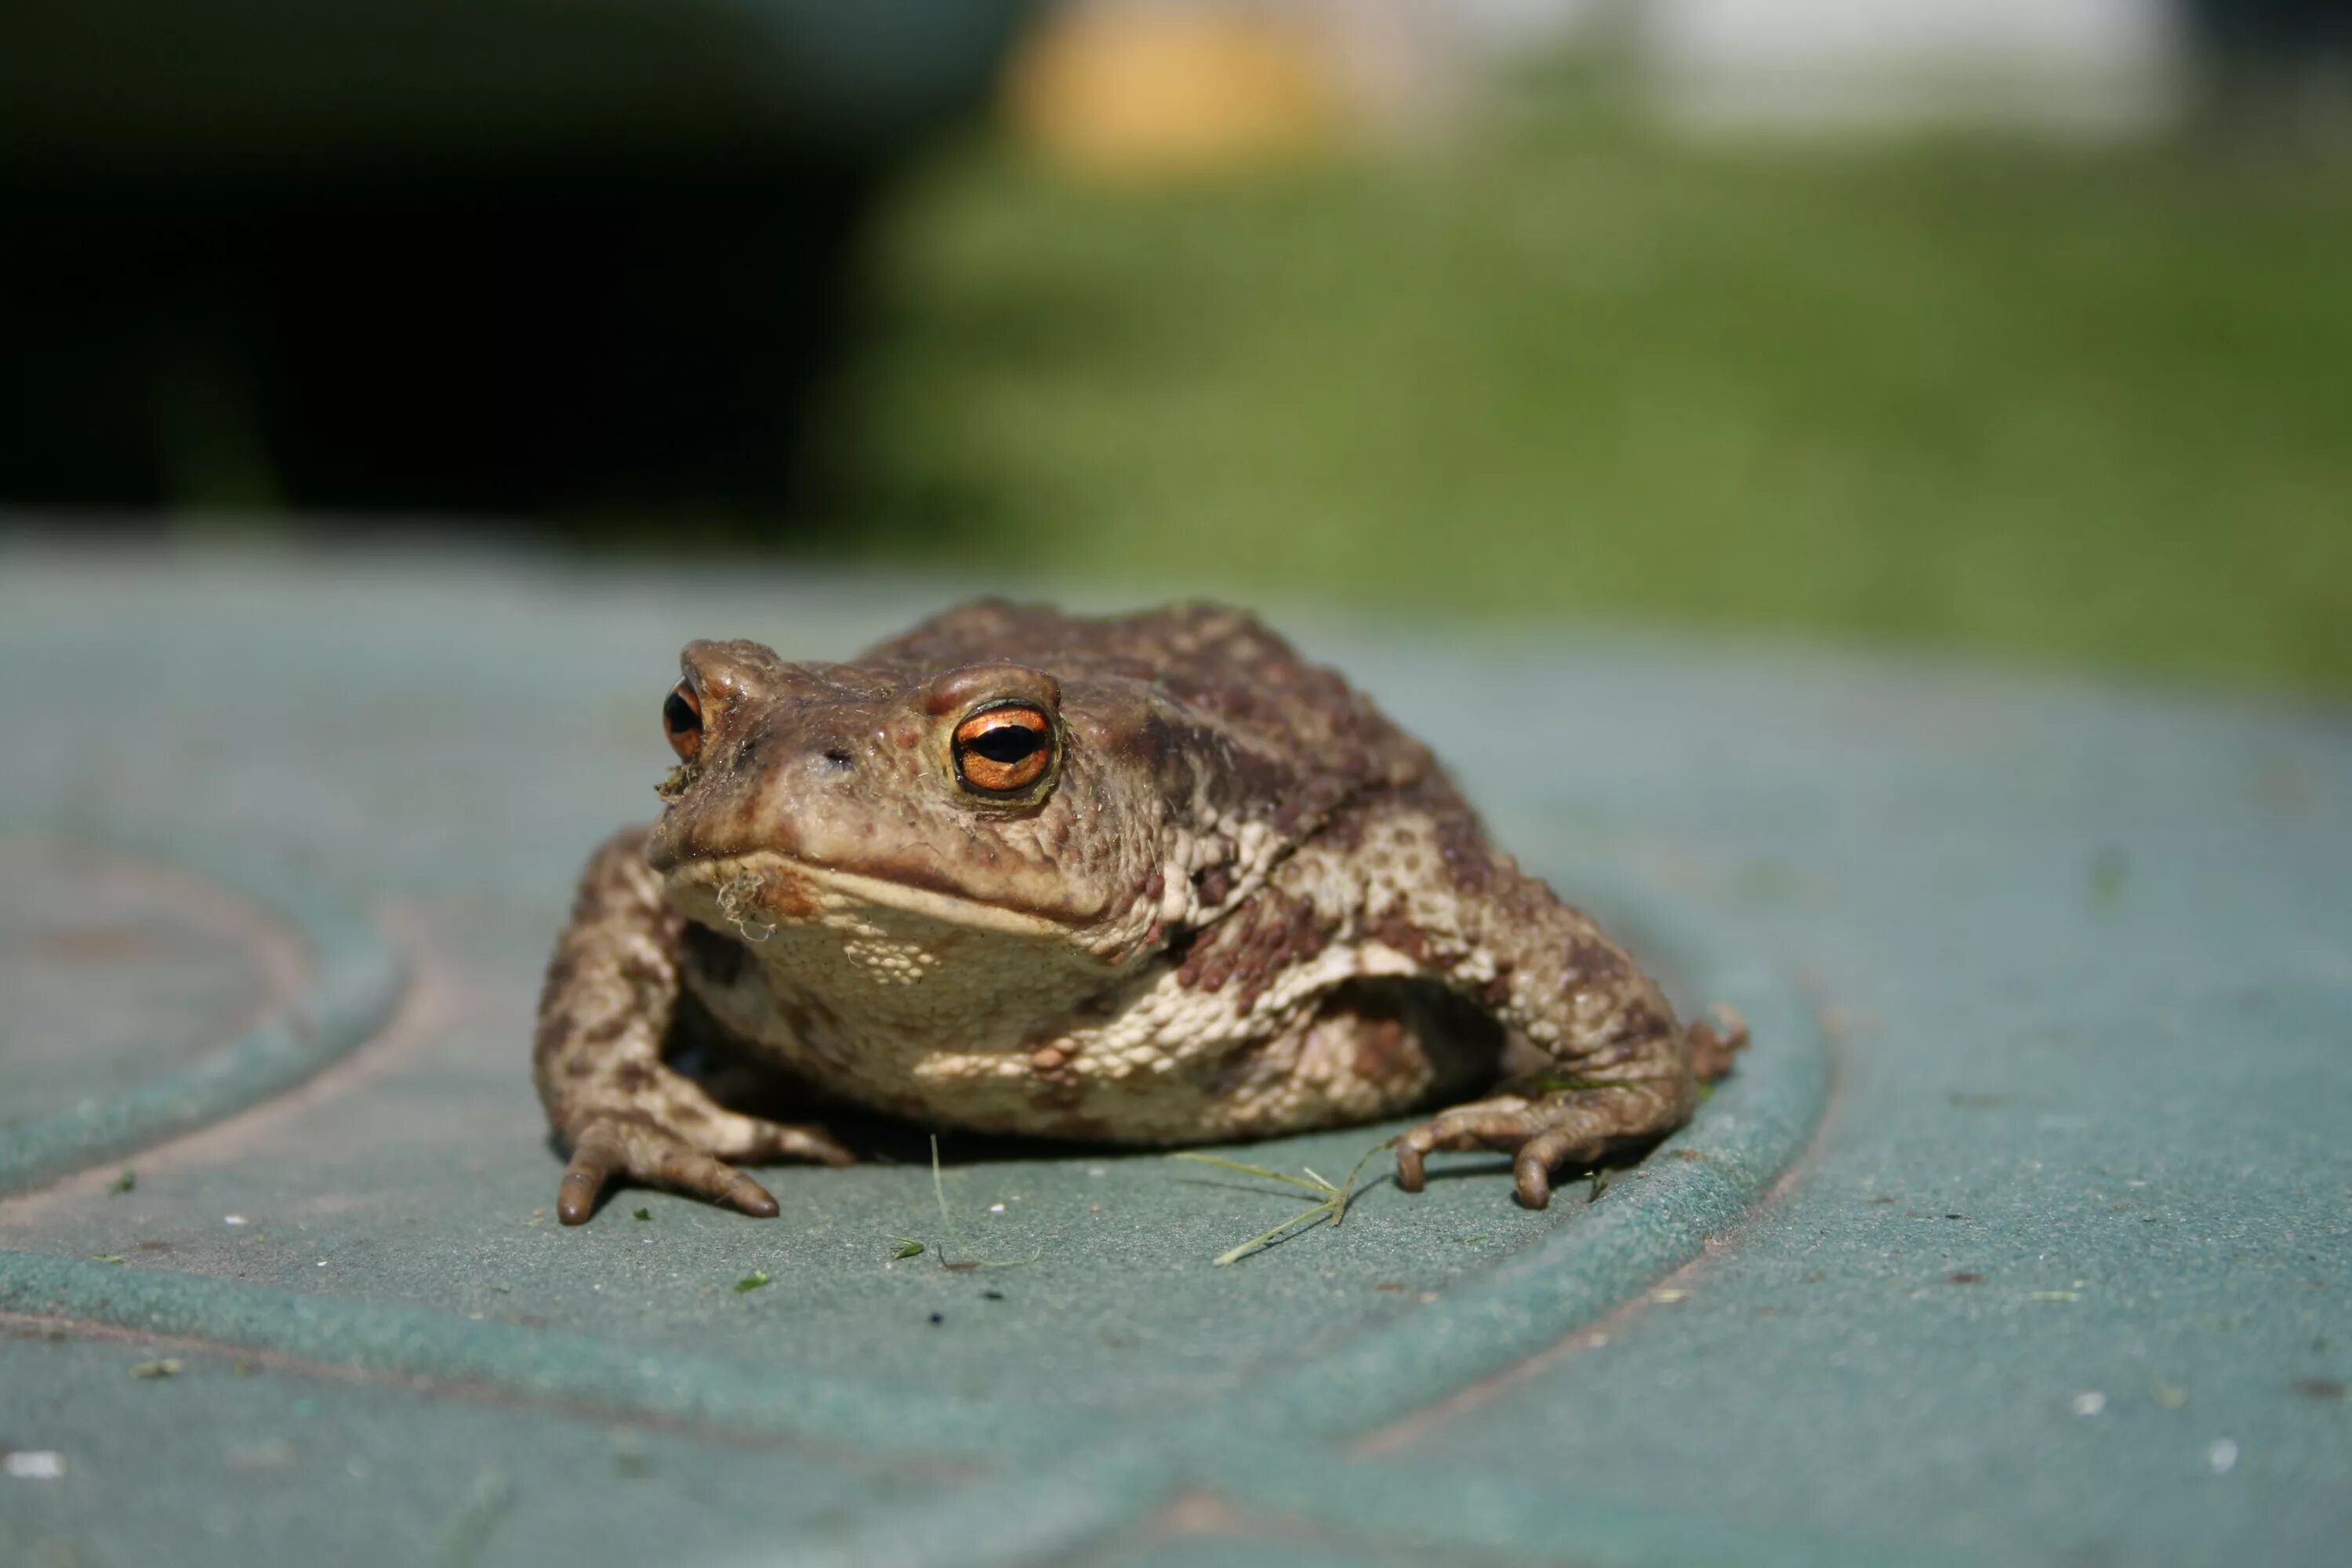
(1147, 879)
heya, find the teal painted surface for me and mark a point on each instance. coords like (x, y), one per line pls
(2084, 957)
(224, 1465)
(174, 984)
(103, 1106)
(2071, 1270)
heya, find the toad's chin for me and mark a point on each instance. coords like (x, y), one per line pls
(758, 892)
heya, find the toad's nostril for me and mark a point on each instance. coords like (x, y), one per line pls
(839, 758)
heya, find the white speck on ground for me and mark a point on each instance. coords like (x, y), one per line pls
(34, 1464)
(2222, 1456)
(233, 1219)
(2090, 1403)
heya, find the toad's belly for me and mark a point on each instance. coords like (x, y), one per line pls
(1147, 1059)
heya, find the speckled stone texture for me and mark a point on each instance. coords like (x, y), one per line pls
(2022, 1237)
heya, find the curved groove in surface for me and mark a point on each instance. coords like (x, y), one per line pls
(352, 984)
(1595, 1260)
(1602, 1256)
(530, 1364)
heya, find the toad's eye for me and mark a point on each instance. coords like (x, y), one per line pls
(1006, 750)
(682, 720)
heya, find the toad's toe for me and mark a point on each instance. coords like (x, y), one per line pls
(610, 1149)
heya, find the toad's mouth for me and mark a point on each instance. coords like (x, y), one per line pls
(764, 887)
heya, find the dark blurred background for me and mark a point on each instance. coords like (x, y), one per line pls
(2017, 326)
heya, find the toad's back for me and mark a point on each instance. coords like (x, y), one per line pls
(1223, 664)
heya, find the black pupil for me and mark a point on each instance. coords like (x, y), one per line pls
(1005, 742)
(678, 716)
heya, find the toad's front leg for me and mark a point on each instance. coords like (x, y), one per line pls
(609, 1002)
(1622, 1070)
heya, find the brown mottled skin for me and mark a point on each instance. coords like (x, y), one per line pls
(1236, 901)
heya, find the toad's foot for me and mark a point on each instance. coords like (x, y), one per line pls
(1713, 1049)
(1544, 1131)
(632, 1145)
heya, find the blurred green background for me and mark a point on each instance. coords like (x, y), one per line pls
(2076, 404)
(1142, 300)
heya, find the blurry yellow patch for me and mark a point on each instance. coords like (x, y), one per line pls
(1144, 91)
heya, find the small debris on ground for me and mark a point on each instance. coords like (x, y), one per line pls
(34, 1463)
(2110, 870)
(641, 1214)
(954, 1237)
(1333, 1205)
(124, 1183)
(470, 1530)
(274, 1454)
(163, 1366)
(752, 1281)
